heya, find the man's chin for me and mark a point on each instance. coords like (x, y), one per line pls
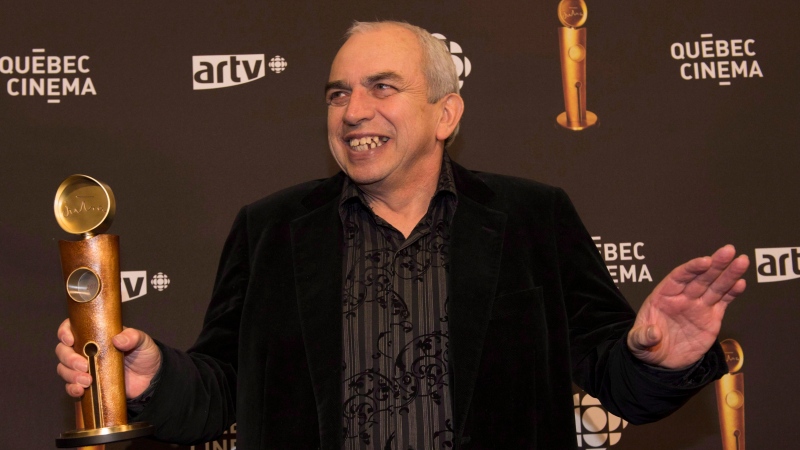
(362, 179)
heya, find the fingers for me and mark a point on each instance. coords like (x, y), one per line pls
(77, 381)
(720, 261)
(727, 280)
(72, 368)
(709, 277)
(734, 292)
(65, 333)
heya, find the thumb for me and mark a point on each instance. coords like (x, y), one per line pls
(643, 337)
(129, 340)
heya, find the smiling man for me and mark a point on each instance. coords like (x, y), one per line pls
(408, 303)
(385, 128)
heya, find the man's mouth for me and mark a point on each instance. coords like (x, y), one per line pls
(364, 143)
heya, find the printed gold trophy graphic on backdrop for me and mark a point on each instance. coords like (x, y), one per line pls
(572, 42)
(86, 207)
(730, 398)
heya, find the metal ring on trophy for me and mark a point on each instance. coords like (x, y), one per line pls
(84, 205)
(83, 285)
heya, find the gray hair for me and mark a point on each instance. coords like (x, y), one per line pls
(437, 64)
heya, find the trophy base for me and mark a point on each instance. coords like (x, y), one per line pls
(98, 436)
(591, 120)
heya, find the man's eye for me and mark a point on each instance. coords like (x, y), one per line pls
(337, 98)
(383, 90)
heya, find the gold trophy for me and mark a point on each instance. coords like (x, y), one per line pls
(730, 398)
(572, 41)
(86, 207)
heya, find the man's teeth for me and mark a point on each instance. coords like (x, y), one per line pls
(360, 144)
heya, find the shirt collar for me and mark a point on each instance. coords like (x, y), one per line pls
(351, 192)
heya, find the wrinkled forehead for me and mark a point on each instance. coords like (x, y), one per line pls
(385, 48)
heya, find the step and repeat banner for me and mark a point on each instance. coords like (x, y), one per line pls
(686, 139)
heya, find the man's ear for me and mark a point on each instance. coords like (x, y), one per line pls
(452, 109)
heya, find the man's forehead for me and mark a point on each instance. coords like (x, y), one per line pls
(383, 35)
(386, 49)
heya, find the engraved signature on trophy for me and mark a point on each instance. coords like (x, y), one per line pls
(83, 208)
(573, 12)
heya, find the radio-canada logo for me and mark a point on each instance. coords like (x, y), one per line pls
(47, 76)
(624, 260)
(595, 427)
(717, 59)
(463, 65)
(134, 283)
(221, 71)
(777, 264)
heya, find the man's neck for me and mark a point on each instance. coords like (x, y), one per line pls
(405, 205)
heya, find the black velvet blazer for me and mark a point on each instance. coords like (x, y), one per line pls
(531, 306)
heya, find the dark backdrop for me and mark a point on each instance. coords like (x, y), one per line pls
(678, 166)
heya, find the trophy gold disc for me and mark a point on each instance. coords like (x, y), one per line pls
(84, 206)
(572, 13)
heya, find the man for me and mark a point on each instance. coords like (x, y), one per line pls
(407, 303)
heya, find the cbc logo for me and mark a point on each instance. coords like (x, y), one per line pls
(278, 64)
(595, 427)
(463, 66)
(159, 281)
(134, 284)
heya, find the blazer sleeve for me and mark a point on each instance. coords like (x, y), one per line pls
(599, 320)
(195, 396)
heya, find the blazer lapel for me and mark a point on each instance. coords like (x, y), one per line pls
(475, 251)
(317, 247)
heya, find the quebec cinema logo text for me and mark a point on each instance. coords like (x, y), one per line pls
(47, 76)
(221, 71)
(777, 264)
(717, 59)
(624, 261)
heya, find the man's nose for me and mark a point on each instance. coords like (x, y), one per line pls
(361, 107)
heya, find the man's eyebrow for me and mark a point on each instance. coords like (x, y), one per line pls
(366, 81)
(338, 84)
(381, 76)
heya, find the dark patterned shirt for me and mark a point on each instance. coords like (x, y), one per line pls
(395, 341)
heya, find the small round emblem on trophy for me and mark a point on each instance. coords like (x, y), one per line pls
(572, 13)
(84, 206)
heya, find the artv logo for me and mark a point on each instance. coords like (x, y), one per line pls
(134, 283)
(220, 71)
(777, 264)
(51, 76)
(595, 427)
(463, 66)
(627, 259)
(715, 59)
